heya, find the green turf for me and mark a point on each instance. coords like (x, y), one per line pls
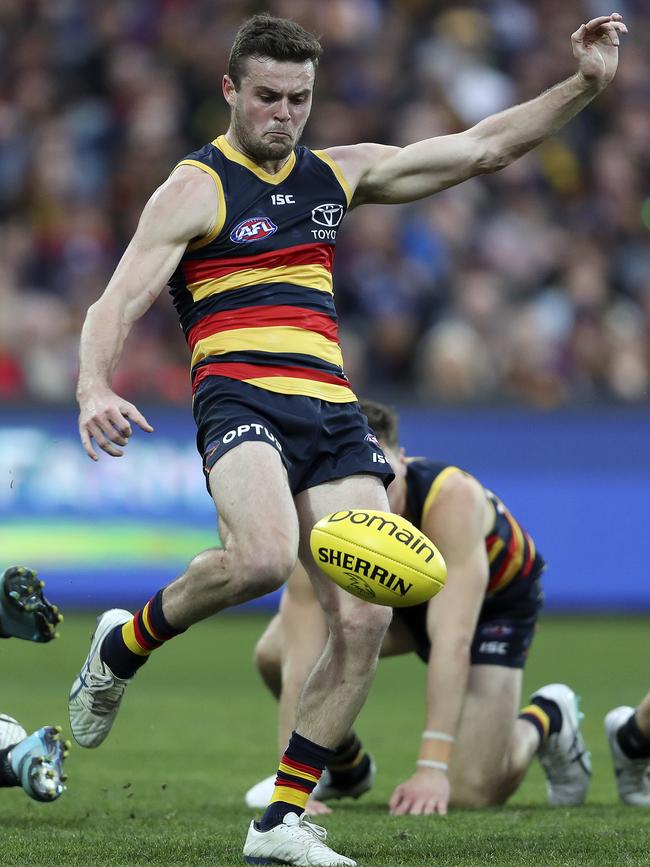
(197, 729)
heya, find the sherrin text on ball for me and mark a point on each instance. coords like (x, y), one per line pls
(378, 556)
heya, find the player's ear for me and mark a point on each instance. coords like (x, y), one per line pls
(229, 90)
(402, 454)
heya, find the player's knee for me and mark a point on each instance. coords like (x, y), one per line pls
(362, 626)
(477, 791)
(265, 568)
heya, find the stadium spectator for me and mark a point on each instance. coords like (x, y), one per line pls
(97, 100)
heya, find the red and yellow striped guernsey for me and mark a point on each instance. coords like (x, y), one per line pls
(255, 295)
(510, 550)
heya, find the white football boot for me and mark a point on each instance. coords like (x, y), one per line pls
(11, 731)
(295, 841)
(632, 775)
(37, 763)
(564, 757)
(259, 796)
(96, 692)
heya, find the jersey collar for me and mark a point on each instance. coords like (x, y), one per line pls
(236, 156)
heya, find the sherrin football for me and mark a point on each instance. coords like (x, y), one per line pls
(378, 556)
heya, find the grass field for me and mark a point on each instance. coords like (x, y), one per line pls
(197, 729)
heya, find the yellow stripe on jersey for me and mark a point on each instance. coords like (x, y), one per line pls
(495, 550)
(340, 177)
(531, 545)
(307, 387)
(236, 156)
(274, 338)
(517, 560)
(310, 276)
(220, 216)
(434, 490)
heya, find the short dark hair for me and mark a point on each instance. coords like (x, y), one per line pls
(383, 420)
(266, 36)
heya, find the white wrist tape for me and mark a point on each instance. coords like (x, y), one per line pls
(429, 763)
(438, 736)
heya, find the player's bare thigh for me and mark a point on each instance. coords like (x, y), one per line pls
(258, 523)
(481, 753)
(353, 492)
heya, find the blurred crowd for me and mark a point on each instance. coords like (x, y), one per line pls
(531, 285)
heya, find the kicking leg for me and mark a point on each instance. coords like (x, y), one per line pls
(259, 532)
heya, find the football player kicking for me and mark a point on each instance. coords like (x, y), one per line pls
(34, 762)
(474, 636)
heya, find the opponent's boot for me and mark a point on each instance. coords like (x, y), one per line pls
(24, 611)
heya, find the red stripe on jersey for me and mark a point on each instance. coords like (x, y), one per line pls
(260, 317)
(303, 254)
(512, 544)
(243, 371)
(529, 555)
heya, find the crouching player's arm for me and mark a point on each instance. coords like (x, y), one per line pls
(456, 522)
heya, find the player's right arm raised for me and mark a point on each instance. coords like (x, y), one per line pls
(183, 208)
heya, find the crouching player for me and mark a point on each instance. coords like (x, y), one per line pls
(34, 762)
(474, 636)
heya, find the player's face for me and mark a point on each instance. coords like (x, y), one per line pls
(397, 488)
(271, 107)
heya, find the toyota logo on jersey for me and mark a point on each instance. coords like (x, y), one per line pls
(329, 215)
(253, 229)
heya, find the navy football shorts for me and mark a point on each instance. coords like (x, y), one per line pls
(316, 440)
(505, 627)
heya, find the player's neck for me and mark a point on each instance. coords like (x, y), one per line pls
(271, 167)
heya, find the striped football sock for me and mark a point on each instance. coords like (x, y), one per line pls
(299, 771)
(127, 647)
(349, 764)
(544, 715)
(634, 743)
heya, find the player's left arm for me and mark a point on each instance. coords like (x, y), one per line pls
(387, 175)
(456, 523)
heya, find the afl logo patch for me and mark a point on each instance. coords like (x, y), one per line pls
(253, 229)
(329, 215)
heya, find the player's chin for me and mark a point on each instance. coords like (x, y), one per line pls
(279, 145)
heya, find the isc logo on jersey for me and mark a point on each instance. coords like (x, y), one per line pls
(377, 556)
(253, 229)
